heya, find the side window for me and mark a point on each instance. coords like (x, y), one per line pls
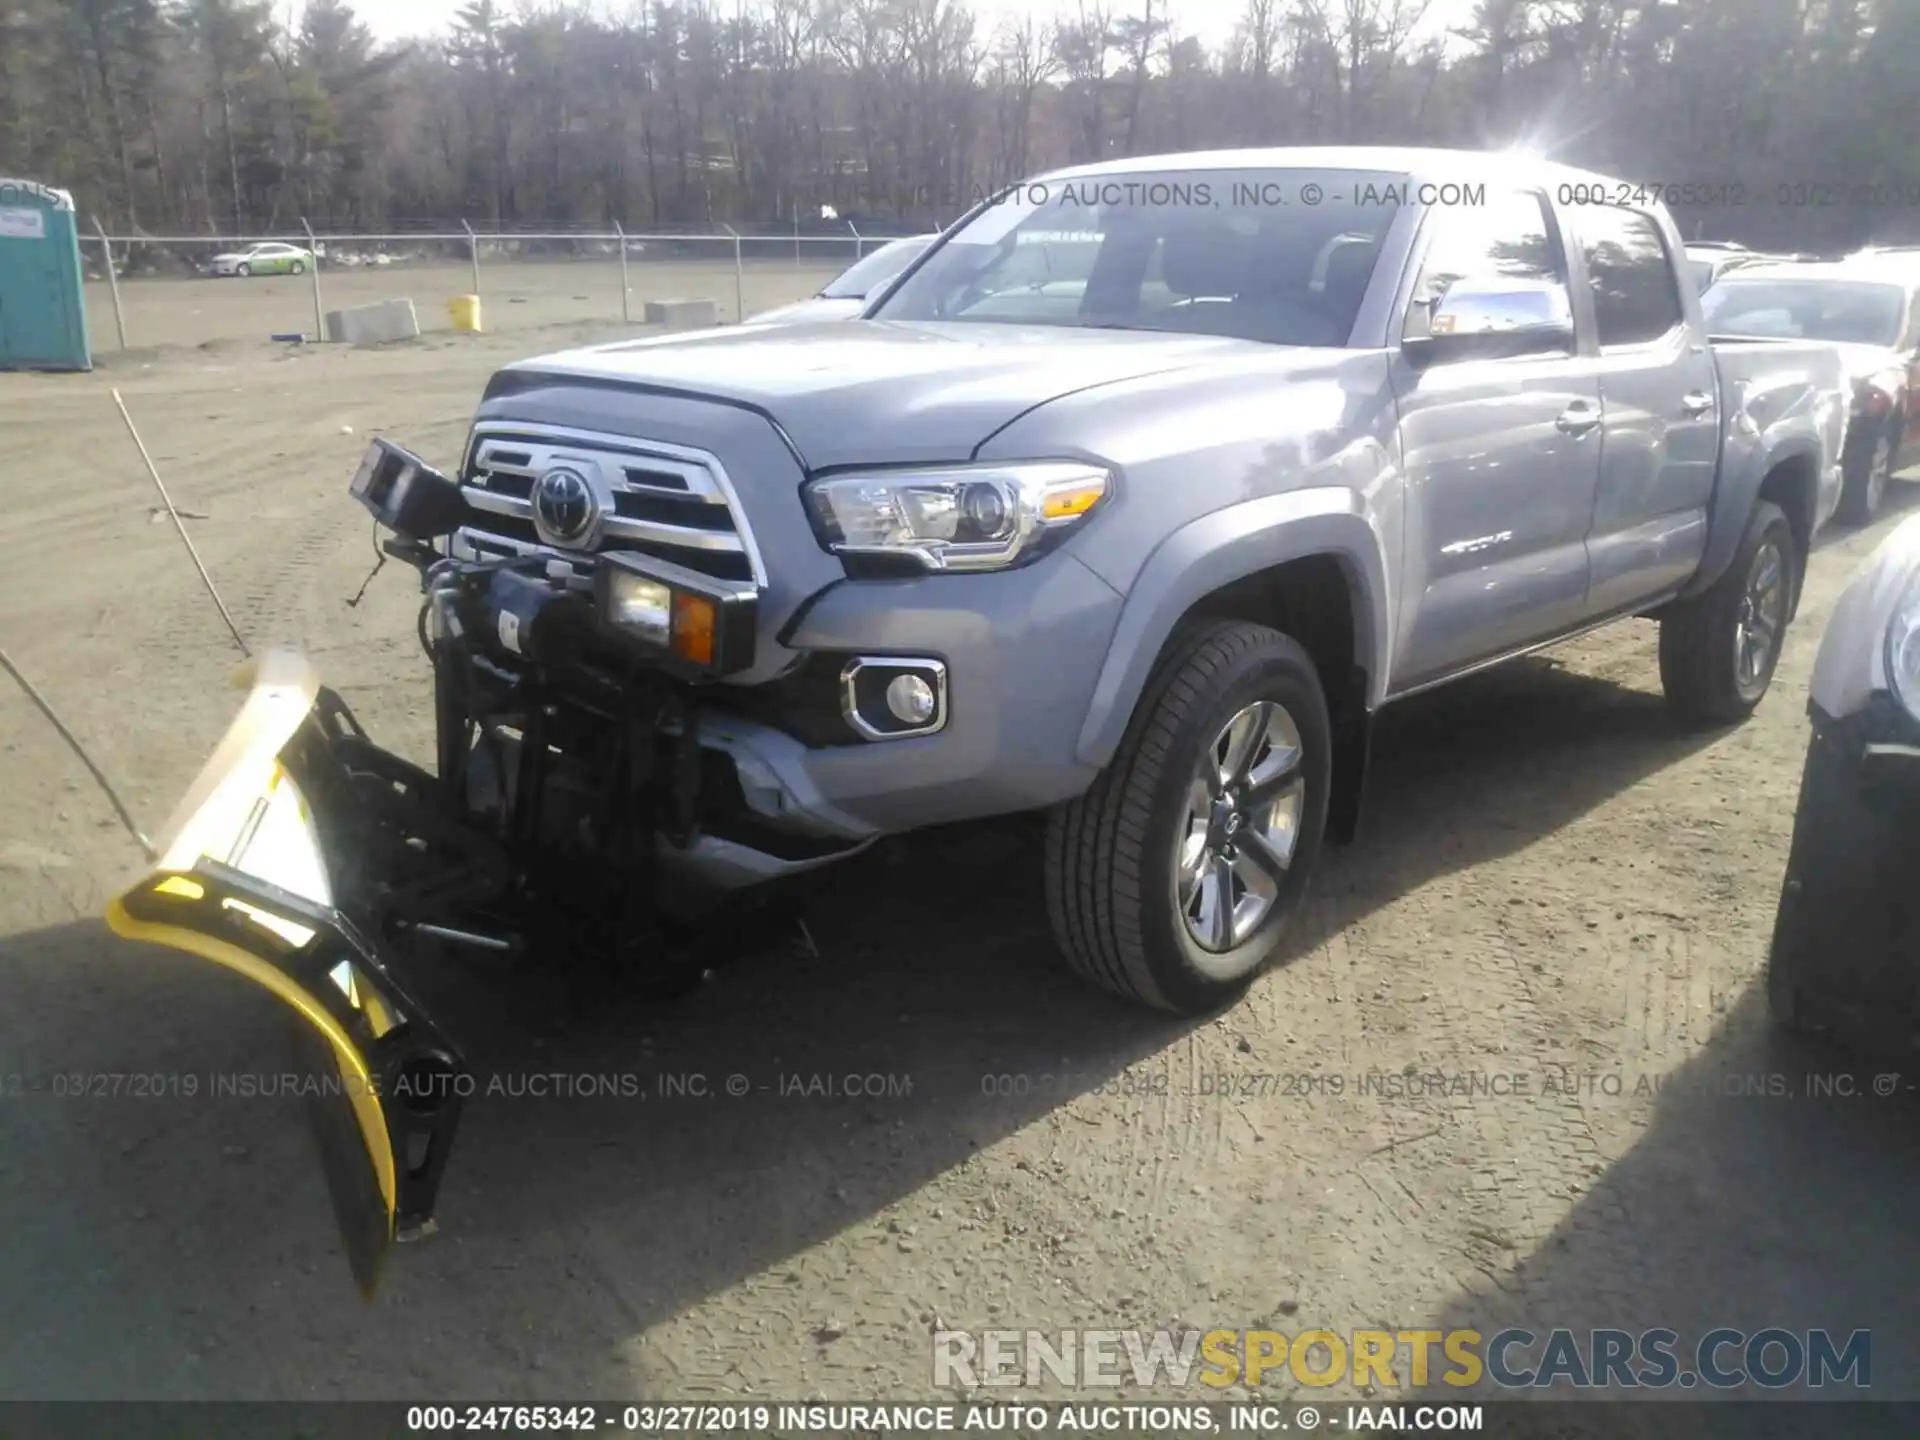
(1504, 246)
(1635, 298)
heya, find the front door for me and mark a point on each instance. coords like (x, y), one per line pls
(1501, 459)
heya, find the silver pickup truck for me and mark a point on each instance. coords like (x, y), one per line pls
(1133, 501)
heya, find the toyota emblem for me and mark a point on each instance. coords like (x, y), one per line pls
(564, 506)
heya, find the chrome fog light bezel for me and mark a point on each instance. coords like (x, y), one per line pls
(934, 672)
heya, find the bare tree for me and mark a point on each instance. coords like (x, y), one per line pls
(1081, 46)
(223, 113)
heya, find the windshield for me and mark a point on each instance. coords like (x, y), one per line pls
(1281, 256)
(1855, 312)
(864, 276)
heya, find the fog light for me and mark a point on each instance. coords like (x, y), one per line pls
(911, 700)
(893, 697)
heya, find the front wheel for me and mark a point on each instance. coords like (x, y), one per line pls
(1172, 879)
(1718, 650)
(299, 267)
(243, 270)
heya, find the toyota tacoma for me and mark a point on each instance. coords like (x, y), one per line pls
(1301, 434)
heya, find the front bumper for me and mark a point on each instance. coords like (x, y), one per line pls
(250, 876)
(1023, 651)
(1846, 946)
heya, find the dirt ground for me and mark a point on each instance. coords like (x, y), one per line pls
(1556, 885)
(515, 295)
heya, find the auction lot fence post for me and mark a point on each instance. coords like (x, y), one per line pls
(113, 282)
(525, 269)
(319, 309)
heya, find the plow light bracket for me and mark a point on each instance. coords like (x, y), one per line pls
(693, 623)
(406, 494)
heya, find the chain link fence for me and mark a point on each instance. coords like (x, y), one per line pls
(152, 290)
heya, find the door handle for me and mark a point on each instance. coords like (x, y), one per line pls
(1695, 403)
(1577, 419)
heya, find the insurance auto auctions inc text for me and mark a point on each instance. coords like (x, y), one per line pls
(1511, 1359)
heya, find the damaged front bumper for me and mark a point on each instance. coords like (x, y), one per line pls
(1845, 958)
(258, 871)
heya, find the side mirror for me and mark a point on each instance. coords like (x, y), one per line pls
(1479, 319)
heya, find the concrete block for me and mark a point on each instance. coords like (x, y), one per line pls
(683, 314)
(373, 324)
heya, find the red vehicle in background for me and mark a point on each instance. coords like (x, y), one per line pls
(1869, 306)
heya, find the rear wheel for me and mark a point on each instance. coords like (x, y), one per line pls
(1719, 649)
(1869, 465)
(1172, 879)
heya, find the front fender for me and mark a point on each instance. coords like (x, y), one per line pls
(1216, 550)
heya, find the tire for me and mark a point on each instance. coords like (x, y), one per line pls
(1868, 468)
(1114, 893)
(1707, 675)
(243, 270)
(299, 267)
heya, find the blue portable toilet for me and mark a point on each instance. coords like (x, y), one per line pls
(43, 304)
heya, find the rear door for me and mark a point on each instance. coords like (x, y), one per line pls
(1660, 438)
(1501, 457)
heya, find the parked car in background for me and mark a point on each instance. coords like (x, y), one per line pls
(846, 295)
(269, 257)
(1845, 959)
(1870, 308)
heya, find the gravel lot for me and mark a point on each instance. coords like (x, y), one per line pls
(1555, 883)
(515, 295)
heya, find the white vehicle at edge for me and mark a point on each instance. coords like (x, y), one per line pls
(848, 293)
(1846, 944)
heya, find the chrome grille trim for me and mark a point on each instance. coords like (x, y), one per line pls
(622, 527)
(523, 451)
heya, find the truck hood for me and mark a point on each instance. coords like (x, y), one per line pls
(817, 307)
(860, 391)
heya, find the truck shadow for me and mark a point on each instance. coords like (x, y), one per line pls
(622, 1160)
(1770, 1188)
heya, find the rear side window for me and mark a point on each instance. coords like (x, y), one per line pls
(1635, 299)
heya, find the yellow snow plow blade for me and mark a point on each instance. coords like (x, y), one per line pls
(242, 880)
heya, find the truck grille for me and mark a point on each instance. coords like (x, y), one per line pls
(657, 499)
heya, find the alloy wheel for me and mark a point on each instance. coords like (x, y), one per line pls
(1244, 805)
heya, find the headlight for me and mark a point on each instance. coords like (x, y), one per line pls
(406, 494)
(683, 618)
(1903, 649)
(967, 517)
